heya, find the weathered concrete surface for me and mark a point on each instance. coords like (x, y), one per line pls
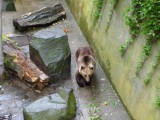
(49, 49)
(101, 89)
(1, 55)
(58, 106)
(106, 40)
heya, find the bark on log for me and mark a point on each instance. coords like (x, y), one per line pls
(21, 65)
(42, 17)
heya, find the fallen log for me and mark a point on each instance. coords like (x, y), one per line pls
(21, 65)
(42, 17)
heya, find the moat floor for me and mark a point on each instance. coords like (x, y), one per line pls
(97, 101)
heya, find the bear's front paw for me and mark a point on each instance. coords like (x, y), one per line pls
(81, 84)
(88, 83)
(80, 80)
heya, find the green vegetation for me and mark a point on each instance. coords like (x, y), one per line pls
(154, 67)
(94, 111)
(124, 47)
(97, 9)
(157, 102)
(145, 53)
(143, 19)
(112, 4)
(10, 57)
(7, 61)
(71, 109)
(5, 39)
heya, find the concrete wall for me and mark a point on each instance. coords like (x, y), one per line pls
(1, 56)
(138, 98)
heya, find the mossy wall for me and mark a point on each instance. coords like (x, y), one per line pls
(106, 35)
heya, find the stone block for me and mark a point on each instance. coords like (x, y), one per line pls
(58, 106)
(50, 51)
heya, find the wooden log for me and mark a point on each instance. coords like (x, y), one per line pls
(21, 65)
(42, 17)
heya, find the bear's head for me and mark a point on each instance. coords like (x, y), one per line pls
(86, 67)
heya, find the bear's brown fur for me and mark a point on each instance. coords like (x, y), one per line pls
(86, 65)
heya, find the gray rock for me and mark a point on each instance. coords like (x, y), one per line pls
(10, 108)
(49, 50)
(22, 40)
(42, 17)
(58, 106)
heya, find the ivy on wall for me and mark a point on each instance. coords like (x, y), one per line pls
(157, 102)
(143, 18)
(153, 68)
(96, 12)
(97, 9)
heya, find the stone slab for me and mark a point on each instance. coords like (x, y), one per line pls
(58, 106)
(43, 17)
(10, 107)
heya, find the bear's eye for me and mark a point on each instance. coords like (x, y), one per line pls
(91, 68)
(85, 76)
(82, 67)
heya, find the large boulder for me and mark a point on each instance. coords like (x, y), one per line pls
(58, 106)
(49, 50)
(42, 17)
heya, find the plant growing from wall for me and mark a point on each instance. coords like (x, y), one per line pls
(157, 102)
(124, 47)
(97, 9)
(112, 4)
(154, 67)
(144, 55)
(143, 18)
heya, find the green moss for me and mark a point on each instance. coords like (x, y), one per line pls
(8, 61)
(147, 81)
(157, 102)
(71, 109)
(6, 40)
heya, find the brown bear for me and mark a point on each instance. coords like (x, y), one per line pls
(85, 65)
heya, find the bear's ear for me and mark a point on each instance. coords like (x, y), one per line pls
(82, 67)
